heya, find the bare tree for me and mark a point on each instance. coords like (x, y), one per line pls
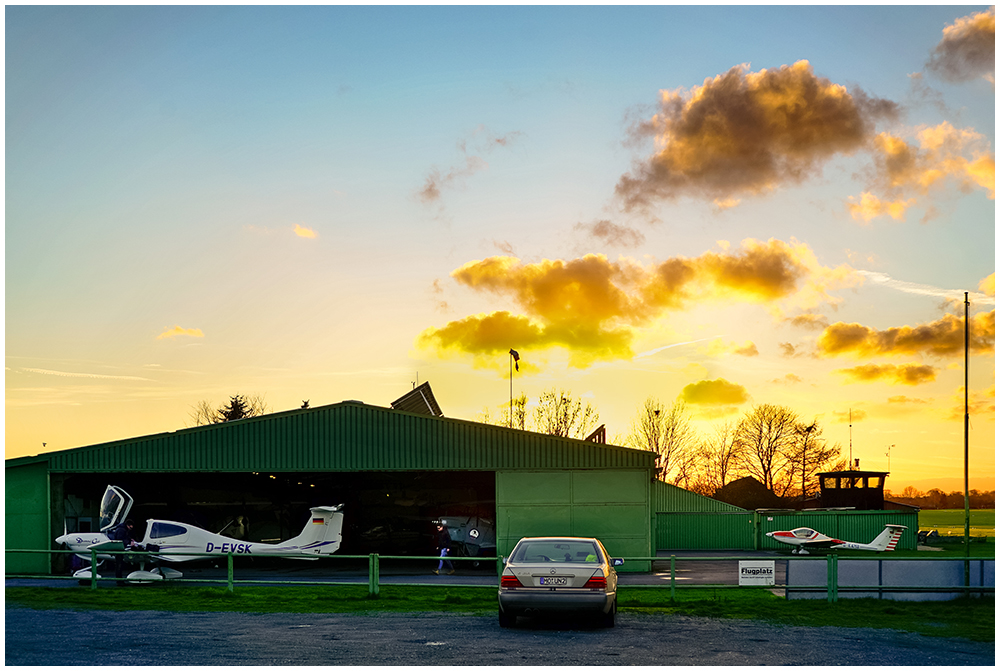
(809, 456)
(766, 435)
(240, 406)
(721, 457)
(666, 432)
(515, 414)
(202, 413)
(520, 414)
(559, 414)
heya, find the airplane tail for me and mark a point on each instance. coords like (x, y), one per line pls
(322, 533)
(886, 541)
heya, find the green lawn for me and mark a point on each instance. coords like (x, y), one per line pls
(966, 618)
(952, 522)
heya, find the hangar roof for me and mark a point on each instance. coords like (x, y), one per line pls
(348, 436)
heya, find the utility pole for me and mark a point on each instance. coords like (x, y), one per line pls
(966, 439)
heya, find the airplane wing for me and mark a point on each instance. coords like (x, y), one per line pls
(822, 543)
(108, 546)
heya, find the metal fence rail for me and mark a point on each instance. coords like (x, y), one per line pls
(830, 586)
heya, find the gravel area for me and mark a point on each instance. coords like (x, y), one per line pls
(147, 638)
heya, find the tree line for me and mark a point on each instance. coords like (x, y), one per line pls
(771, 443)
(936, 499)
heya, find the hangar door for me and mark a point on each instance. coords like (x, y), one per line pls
(612, 505)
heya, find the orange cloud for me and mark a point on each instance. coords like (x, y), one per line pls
(944, 337)
(483, 143)
(613, 234)
(719, 348)
(907, 400)
(981, 402)
(868, 206)
(810, 321)
(304, 232)
(902, 170)
(178, 331)
(714, 392)
(746, 133)
(967, 49)
(494, 334)
(591, 305)
(909, 373)
(988, 285)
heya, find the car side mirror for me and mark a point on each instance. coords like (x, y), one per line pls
(617, 561)
(503, 560)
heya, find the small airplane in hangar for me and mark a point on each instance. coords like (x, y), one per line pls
(320, 536)
(804, 539)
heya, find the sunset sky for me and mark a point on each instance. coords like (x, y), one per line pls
(724, 205)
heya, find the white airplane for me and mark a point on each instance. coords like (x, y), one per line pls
(804, 537)
(320, 536)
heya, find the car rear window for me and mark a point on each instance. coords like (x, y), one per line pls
(557, 551)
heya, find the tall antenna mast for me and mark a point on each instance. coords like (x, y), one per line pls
(850, 439)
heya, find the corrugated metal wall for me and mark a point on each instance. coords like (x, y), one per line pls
(610, 505)
(345, 437)
(689, 521)
(860, 526)
(26, 517)
(704, 531)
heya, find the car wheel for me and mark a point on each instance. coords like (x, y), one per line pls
(608, 619)
(506, 621)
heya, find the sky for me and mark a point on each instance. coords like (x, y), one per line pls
(726, 206)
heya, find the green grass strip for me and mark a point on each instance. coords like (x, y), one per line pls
(964, 618)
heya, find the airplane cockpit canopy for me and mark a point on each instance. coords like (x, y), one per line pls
(803, 532)
(114, 507)
(166, 530)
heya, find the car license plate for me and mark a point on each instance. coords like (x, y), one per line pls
(554, 581)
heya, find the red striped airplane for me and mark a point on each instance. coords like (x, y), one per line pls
(804, 537)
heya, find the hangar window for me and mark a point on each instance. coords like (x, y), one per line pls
(166, 530)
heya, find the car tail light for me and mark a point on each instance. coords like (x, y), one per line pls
(510, 581)
(597, 582)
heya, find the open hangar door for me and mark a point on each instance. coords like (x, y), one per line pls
(388, 512)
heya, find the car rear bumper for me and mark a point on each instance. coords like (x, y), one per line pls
(525, 600)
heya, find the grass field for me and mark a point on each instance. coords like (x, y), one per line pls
(966, 618)
(952, 522)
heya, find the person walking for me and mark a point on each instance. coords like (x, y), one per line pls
(443, 541)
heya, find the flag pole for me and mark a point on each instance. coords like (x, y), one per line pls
(514, 358)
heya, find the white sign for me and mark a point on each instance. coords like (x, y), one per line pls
(757, 572)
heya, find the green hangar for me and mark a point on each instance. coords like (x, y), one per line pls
(397, 470)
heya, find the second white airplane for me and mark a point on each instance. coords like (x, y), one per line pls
(804, 537)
